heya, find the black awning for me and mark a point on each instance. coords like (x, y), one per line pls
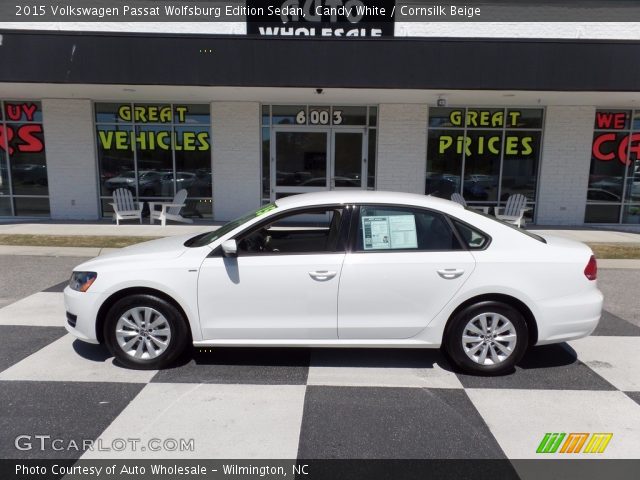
(398, 63)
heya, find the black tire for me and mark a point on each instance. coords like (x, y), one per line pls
(173, 321)
(455, 348)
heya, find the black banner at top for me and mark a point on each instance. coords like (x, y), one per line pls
(337, 17)
(320, 18)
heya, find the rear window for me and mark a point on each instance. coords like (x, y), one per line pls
(473, 239)
(521, 230)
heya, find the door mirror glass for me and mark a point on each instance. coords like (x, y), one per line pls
(230, 248)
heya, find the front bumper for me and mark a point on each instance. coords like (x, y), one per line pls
(84, 306)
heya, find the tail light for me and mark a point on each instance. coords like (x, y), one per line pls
(591, 270)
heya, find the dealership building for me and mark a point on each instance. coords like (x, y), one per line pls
(239, 118)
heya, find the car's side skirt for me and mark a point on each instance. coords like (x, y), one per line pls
(350, 343)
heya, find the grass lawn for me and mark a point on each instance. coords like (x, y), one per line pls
(71, 241)
(616, 250)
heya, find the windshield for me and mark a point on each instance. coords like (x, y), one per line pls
(206, 238)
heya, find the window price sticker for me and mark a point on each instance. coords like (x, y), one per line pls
(394, 232)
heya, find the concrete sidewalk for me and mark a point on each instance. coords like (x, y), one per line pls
(103, 229)
(590, 236)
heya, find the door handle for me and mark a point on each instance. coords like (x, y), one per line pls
(322, 275)
(450, 273)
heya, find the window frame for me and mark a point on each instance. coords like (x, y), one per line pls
(623, 204)
(103, 199)
(11, 196)
(355, 222)
(343, 232)
(464, 128)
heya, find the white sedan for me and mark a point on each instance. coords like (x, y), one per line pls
(341, 269)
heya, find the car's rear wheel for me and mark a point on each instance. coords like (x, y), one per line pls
(487, 338)
(145, 332)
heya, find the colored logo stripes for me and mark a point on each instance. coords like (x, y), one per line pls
(574, 443)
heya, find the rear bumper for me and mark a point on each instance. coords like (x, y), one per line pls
(569, 318)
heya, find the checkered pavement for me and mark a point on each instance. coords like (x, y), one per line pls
(300, 403)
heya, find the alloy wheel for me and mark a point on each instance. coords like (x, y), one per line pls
(143, 333)
(489, 338)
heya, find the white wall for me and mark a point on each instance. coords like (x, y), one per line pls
(593, 30)
(71, 158)
(235, 130)
(566, 159)
(402, 147)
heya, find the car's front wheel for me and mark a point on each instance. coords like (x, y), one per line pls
(487, 338)
(145, 332)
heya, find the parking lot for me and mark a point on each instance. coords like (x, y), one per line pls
(300, 403)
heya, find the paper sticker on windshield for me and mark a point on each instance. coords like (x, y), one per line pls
(265, 209)
(389, 232)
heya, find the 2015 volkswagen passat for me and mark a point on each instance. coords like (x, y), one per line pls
(341, 269)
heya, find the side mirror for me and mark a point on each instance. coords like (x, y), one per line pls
(230, 248)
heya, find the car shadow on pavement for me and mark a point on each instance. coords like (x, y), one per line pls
(92, 352)
(548, 367)
(325, 357)
(549, 356)
(558, 356)
(379, 358)
(241, 356)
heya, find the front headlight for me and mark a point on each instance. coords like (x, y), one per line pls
(81, 281)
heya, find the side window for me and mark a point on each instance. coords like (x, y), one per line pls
(308, 231)
(474, 239)
(383, 228)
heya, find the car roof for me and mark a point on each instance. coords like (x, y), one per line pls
(366, 196)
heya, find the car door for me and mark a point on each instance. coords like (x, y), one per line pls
(283, 284)
(405, 265)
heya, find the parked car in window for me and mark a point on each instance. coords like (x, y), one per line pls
(148, 182)
(197, 183)
(30, 174)
(346, 268)
(599, 194)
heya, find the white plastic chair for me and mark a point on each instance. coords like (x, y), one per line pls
(169, 210)
(513, 211)
(456, 197)
(124, 208)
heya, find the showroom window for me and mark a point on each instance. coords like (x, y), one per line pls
(485, 154)
(24, 186)
(154, 150)
(613, 195)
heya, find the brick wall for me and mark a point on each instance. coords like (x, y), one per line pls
(71, 159)
(236, 158)
(566, 158)
(402, 147)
